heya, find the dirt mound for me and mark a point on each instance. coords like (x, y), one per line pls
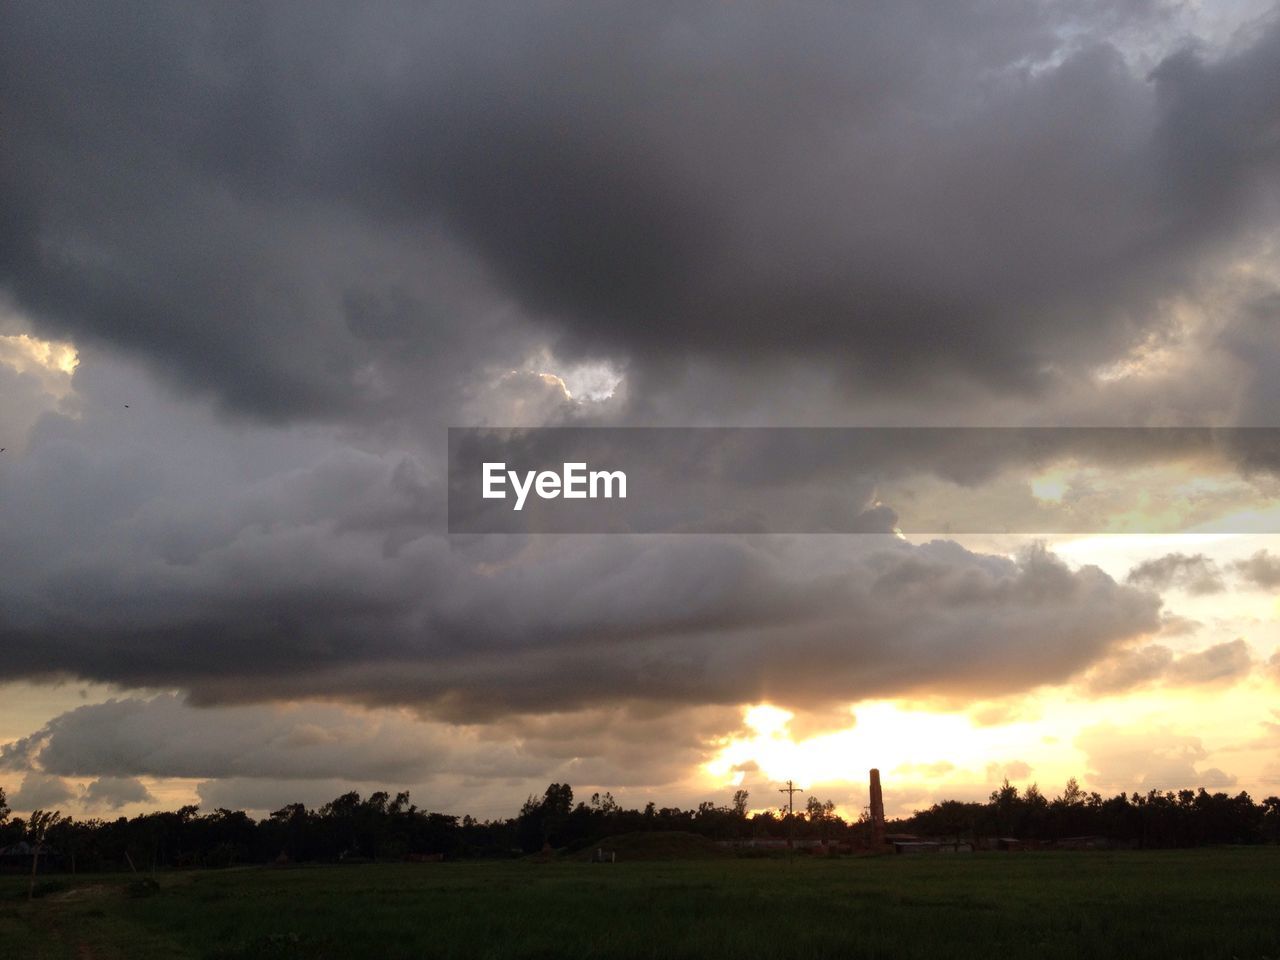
(656, 845)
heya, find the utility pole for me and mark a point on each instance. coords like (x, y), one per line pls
(791, 790)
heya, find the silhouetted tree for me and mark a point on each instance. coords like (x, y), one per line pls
(37, 827)
(383, 826)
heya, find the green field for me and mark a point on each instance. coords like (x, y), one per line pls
(1171, 904)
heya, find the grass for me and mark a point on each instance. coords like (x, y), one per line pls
(1215, 903)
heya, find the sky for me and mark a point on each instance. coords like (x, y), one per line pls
(254, 262)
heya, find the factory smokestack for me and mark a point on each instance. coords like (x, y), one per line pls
(877, 810)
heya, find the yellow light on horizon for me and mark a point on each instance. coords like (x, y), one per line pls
(883, 734)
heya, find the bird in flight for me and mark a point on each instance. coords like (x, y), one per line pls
(126, 406)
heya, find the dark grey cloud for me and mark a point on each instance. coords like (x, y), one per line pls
(41, 791)
(1260, 570)
(162, 546)
(163, 737)
(359, 225)
(1130, 669)
(1224, 662)
(627, 745)
(303, 569)
(1200, 575)
(116, 792)
(1194, 573)
(162, 198)
(264, 756)
(318, 210)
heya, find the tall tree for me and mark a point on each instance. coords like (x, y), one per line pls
(37, 828)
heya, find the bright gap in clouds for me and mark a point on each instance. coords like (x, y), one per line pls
(586, 381)
(881, 734)
(590, 382)
(925, 757)
(26, 353)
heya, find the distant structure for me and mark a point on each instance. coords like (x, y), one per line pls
(791, 790)
(877, 810)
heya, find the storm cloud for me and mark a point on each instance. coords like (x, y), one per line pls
(264, 756)
(164, 737)
(291, 245)
(302, 210)
(291, 567)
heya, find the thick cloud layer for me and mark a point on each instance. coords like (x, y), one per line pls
(309, 210)
(292, 244)
(161, 548)
(264, 756)
(163, 737)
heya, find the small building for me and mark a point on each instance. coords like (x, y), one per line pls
(909, 847)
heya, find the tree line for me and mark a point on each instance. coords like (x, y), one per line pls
(1183, 818)
(386, 827)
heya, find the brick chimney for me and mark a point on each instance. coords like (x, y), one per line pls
(877, 810)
